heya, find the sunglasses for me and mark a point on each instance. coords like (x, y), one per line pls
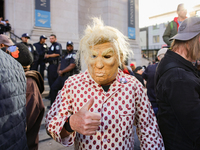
(12, 48)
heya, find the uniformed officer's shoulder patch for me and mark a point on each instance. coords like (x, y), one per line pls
(29, 48)
(57, 47)
(74, 56)
(34, 48)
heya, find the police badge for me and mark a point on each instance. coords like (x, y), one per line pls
(52, 48)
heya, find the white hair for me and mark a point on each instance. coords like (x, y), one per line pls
(98, 33)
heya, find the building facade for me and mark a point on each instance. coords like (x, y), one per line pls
(68, 19)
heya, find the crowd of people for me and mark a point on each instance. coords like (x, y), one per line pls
(107, 104)
(5, 26)
(21, 86)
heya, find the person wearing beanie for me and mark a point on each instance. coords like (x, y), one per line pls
(149, 76)
(12, 100)
(132, 65)
(178, 89)
(34, 102)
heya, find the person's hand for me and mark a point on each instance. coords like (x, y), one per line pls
(84, 121)
(46, 56)
(60, 73)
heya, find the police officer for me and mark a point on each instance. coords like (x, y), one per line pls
(41, 48)
(25, 37)
(53, 56)
(66, 68)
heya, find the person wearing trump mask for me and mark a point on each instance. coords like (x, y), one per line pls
(97, 109)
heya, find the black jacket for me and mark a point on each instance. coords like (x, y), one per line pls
(149, 76)
(41, 49)
(12, 104)
(178, 97)
(139, 77)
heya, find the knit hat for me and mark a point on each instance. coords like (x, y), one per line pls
(162, 51)
(24, 56)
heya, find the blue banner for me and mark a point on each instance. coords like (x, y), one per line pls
(131, 33)
(42, 18)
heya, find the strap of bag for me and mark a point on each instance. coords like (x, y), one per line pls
(171, 25)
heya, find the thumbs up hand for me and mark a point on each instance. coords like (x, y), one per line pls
(84, 121)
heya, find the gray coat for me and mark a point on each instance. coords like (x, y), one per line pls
(12, 104)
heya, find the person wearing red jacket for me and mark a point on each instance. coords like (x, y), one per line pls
(173, 26)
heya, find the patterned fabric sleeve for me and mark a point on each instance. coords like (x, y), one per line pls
(146, 123)
(60, 110)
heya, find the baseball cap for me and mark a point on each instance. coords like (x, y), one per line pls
(162, 51)
(5, 40)
(70, 43)
(26, 35)
(132, 64)
(188, 29)
(43, 37)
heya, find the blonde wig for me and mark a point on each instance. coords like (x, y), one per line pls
(98, 33)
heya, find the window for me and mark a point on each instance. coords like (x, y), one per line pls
(156, 39)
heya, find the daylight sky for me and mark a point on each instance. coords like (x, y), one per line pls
(148, 8)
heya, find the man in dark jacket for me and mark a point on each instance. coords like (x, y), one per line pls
(41, 48)
(138, 74)
(53, 57)
(178, 89)
(172, 26)
(12, 101)
(149, 76)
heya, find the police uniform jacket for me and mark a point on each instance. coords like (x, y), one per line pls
(41, 49)
(55, 48)
(67, 59)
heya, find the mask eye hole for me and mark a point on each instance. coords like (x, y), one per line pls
(107, 56)
(93, 56)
